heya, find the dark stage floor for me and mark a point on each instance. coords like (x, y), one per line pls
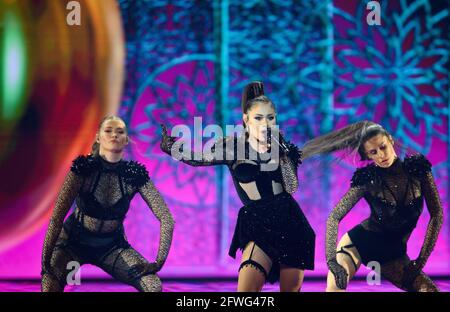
(203, 286)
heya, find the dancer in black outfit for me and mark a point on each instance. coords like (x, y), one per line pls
(103, 184)
(275, 236)
(395, 190)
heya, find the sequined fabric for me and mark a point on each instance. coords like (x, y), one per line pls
(273, 220)
(227, 149)
(289, 174)
(347, 202)
(395, 196)
(279, 227)
(289, 164)
(397, 272)
(66, 196)
(96, 225)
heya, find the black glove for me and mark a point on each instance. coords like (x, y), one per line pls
(139, 270)
(47, 270)
(340, 274)
(292, 151)
(166, 140)
(412, 270)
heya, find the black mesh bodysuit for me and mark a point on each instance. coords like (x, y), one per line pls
(271, 218)
(94, 232)
(395, 196)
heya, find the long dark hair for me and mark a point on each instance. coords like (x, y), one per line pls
(253, 93)
(350, 139)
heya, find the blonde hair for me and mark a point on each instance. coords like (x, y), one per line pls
(96, 146)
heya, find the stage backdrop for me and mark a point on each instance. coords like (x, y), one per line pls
(323, 66)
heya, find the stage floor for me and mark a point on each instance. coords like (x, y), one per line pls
(203, 286)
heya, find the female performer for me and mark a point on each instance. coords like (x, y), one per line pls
(103, 185)
(395, 190)
(275, 236)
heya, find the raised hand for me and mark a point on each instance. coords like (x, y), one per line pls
(166, 140)
(139, 270)
(411, 271)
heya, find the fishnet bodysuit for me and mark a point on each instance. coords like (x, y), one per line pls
(93, 233)
(251, 182)
(395, 196)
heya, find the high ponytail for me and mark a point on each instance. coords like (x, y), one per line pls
(253, 93)
(350, 138)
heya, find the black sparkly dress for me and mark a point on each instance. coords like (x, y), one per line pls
(273, 220)
(94, 232)
(395, 196)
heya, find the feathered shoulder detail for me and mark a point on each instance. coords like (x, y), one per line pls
(294, 152)
(134, 173)
(417, 165)
(365, 176)
(84, 165)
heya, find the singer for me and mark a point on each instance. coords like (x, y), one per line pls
(276, 239)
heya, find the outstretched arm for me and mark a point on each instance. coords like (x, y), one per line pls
(217, 155)
(66, 196)
(156, 203)
(349, 200)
